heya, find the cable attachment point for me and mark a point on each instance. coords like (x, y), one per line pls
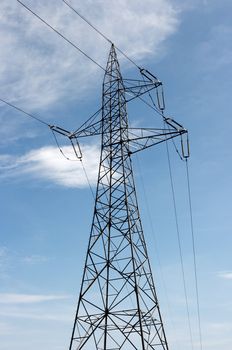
(150, 76)
(159, 87)
(171, 122)
(72, 138)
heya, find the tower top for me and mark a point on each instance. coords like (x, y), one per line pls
(112, 66)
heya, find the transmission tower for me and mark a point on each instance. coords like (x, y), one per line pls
(118, 306)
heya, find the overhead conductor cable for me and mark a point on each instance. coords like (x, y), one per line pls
(61, 35)
(99, 32)
(96, 63)
(194, 253)
(26, 113)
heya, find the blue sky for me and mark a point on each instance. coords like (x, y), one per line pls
(46, 207)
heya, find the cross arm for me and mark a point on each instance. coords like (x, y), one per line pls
(140, 139)
(137, 88)
(90, 128)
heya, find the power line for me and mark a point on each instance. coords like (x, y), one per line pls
(194, 253)
(73, 160)
(148, 212)
(88, 22)
(161, 113)
(146, 103)
(26, 113)
(153, 106)
(61, 35)
(60, 149)
(99, 32)
(179, 245)
(41, 121)
(81, 51)
(87, 178)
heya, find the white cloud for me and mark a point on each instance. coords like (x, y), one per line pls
(217, 334)
(11, 298)
(225, 275)
(3, 252)
(35, 259)
(4, 262)
(5, 329)
(42, 315)
(37, 68)
(48, 164)
(223, 326)
(11, 260)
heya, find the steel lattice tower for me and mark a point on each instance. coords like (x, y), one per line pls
(118, 306)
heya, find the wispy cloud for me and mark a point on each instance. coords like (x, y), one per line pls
(35, 259)
(217, 334)
(47, 164)
(38, 315)
(220, 326)
(10, 298)
(38, 68)
(11, 260)
(225, 275)
(4, 261)
(5, 329)
(3, 251)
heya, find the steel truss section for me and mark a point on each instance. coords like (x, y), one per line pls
(118, 306)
